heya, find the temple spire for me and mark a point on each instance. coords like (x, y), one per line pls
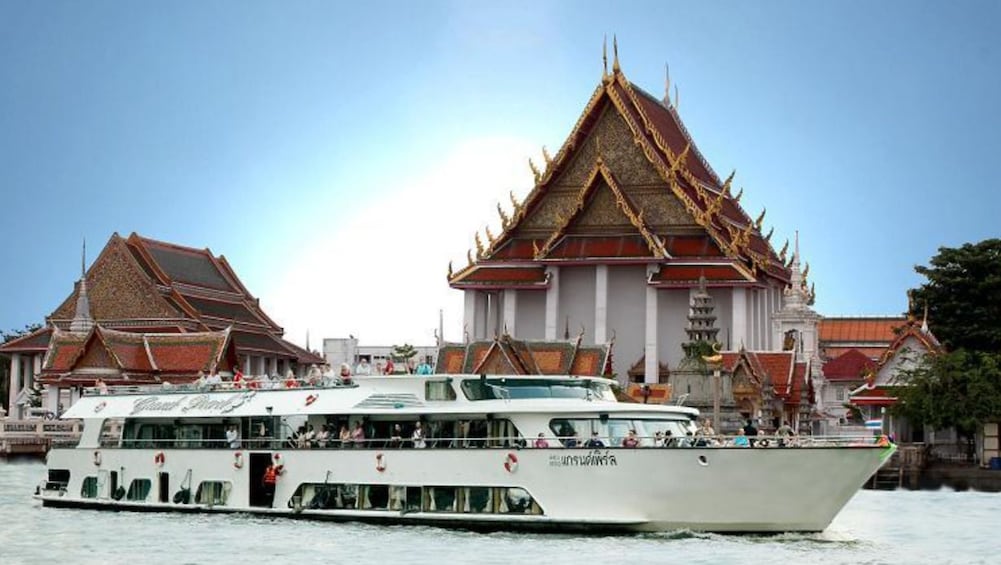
(615, 55)
(667, 84)
(604, 56)
(82, 321)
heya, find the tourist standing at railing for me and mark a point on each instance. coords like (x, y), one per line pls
(389, 369)
(594, 442)
(418, 436)
(358, 435)
(237, 378)
(424, 368)
(102, 387)
(344, 436)
(363, 369)
(750, 431)
(233, 437)
(741, 439)
(396, 439)
(540, 441)
(785, 432)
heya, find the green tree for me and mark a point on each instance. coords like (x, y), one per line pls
(961, 389)
(403, 354)
(963, 295)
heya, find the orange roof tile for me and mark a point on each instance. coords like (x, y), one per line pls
(860, 330)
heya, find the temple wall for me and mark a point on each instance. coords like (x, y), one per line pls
(672, 317)
(626, 314)
(723, 299)
(577, 285)
(531, 316)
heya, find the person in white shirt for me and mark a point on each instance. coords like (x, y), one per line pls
(418, 436)
(233, 437)
(363, 369)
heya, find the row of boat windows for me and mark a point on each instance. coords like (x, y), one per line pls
(471, 500)
(331, 496)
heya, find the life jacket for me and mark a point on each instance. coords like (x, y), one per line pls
(270, 475)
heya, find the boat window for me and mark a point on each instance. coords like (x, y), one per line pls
(213, 493)
(375, 497)
(139, 489)
(58, 478)
(504, 389)
(111, 432)
(439, 390)
(517, 501)
(611, 431)
(440, 499)
(89, 488)
(478, 500)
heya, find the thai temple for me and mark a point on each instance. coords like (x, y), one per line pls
(148, 312)
(630, 237)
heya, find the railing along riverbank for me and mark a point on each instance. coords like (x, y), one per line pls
(36, 437)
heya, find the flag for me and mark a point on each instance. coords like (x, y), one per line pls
(876, 424)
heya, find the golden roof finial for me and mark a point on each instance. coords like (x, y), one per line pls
(677, 98)
(760, 219)
(682, 159)
(785, 248)
(517, 205)
(535, 249)
(535, 170)
(505, 219)
(490, 236)
(770, 232)
(739, 194)
(729, 179)
(615, 55)
(449, 269)
(479, 246)
(806, 271)
(547, 156)
(469, 256)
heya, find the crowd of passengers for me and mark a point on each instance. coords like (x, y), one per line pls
(471, 434)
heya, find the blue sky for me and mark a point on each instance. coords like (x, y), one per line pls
(340, 154)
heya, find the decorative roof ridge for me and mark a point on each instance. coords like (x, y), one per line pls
(170, 245)
(149, 354)
(27, 336)
(97, 333)
(222, 264)
(681, 126)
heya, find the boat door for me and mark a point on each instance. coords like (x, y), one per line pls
(102, 484)
(163, 486)
(259, 496)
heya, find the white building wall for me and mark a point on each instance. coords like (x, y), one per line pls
(672, 306)
(531, 315)
(577, 286)
(626, 314)
(723, 300)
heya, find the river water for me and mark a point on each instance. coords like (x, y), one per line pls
(876, 527)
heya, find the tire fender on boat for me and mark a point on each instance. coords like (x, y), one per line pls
(380, 462)
(511, 463)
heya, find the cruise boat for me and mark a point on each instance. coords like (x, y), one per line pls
(493, 452)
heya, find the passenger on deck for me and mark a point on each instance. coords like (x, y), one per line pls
(214, 381)
(630, 440)
(102, 388)
(741, 439)
(233, 437)
(571, 441)
(363, 369)
(396, 440)
(344, 436)
(358, 435)
(390, 368)
(418, 436)
(345, 373)
(541, 441)
(595, 442)
(424, 368)
(658, 438)
(669, 439)
(237, 378)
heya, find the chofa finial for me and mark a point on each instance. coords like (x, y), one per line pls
(615, 55)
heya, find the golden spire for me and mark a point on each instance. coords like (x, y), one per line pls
(479, 246)
(760, 219)
(615, 53)
(739, 194)
(770, 232)
(785, 248)
(505, 219)
(547, 156)
(535, 170)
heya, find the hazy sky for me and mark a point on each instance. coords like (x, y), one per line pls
(340, 154)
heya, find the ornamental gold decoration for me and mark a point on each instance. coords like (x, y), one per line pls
(785, 248)
(535, 170)
(469, 257)
(760, 219)
(768, 237)
(450, 270)
(505, 219)
(479, 246)
(806, 271)
(739, 194)
(547, 156)
(490, 236)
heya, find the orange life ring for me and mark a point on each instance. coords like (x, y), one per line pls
(97, 458)
(159, 459)
(511, 463)
(238, 460)
(380, 462)
(311, 399)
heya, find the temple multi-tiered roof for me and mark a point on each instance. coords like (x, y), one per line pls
(628, 186)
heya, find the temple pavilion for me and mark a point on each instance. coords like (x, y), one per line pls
(611, 243)
(148, 311)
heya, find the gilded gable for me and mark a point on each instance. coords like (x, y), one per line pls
(118, 290)
(602, 211)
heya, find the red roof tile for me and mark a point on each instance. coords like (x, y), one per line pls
(860, 330)
(34, 342)
(849, 366)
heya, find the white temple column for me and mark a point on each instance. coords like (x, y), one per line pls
(738, 318)
(651, 367)
(15, 385)
(601, 304)
(762, 319)
(247, 366)
(273, 369)
(752, 319)
(552, 303)
(492, 314)
(52, 400)
(510, 308)
(469, 314)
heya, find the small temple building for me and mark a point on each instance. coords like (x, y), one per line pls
(149, 311)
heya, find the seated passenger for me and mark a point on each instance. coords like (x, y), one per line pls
(363, 369)
(358, 436)
(630, 440)
(741, 439)
(396, 439)
(595, 442)
(345, 436)
(658, 438)
(572, 441)
(541, 441)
